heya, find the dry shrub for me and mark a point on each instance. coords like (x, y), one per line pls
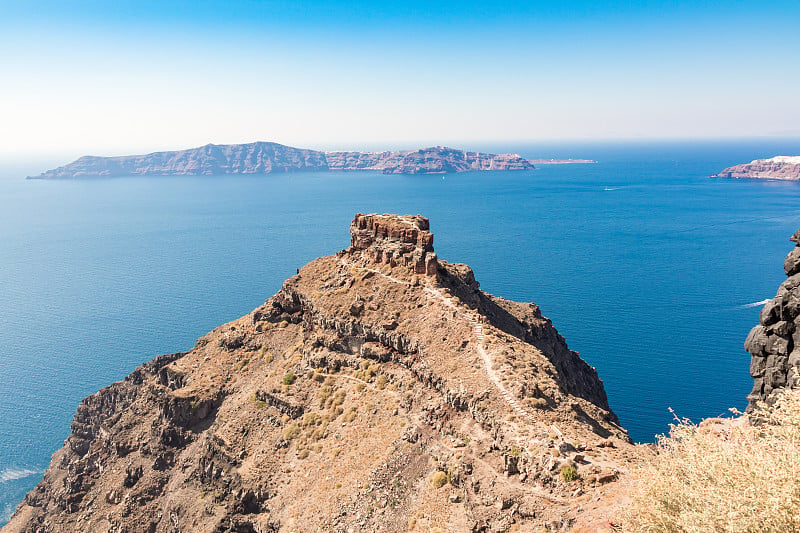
(439, 479)
(740, 474)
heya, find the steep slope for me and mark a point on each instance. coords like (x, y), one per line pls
(378, 390)
(268, 157)
(776, 168)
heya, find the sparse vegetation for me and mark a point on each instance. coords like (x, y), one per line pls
(568, 472)
(351, 414)
(724, 476)
(439, 479)
(537, 403)
(291, 431)
(289, 378)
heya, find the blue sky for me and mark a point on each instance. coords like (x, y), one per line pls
(115, 77)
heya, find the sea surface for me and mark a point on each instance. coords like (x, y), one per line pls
(651, 270)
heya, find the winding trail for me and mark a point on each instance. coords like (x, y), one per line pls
(477, 330)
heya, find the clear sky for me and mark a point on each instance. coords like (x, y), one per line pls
(108, 77)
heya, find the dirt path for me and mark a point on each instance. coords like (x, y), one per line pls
(477, 330)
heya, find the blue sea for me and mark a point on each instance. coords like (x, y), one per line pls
(651, 270)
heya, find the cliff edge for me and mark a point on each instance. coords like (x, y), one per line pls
(379, 390)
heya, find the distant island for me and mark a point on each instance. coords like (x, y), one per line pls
(782, 167)
(270, 157)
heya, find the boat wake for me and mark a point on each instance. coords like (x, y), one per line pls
(754, 304)
(12, 473)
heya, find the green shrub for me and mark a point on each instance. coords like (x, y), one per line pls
(568, 473)
(289, 378)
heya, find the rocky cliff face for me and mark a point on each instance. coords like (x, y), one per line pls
(776, 168)
(266, 158)
(379, 390)
(774, 344)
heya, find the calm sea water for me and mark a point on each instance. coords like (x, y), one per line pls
(646, 266)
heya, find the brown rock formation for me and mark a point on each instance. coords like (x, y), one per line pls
(776, 168)
(365, 395)
(395, 240)
(774, 344)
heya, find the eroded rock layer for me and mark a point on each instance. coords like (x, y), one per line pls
(368, 394)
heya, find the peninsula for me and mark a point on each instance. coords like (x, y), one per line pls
(379, 390)
(270, 157)
(781, 167)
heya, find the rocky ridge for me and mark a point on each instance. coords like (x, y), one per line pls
(776, 168)
(774, 344)
(268, 157)
(379, 390)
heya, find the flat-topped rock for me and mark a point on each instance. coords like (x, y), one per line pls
(395, 239)
(781, 167)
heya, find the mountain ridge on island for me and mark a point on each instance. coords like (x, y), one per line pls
(270, 157)
(781, 167)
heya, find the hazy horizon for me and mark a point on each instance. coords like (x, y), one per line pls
(92, 77)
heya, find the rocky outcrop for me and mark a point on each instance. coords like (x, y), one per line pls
(395, 240)
(268, 157)
(379, 389)
(776, 168)
(774, 344)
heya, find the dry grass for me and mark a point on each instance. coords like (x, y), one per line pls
(728, 476)
(439, 479)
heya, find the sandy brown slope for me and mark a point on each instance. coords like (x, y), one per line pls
(378, 390)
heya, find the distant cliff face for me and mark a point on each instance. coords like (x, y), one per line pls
(266, 158)
(254, 158)
(774, 344)
(425, 161)
(379, 390)
(776, 168)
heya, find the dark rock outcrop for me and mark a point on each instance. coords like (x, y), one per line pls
(776, 168)
(774, 344)
(269, 157)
